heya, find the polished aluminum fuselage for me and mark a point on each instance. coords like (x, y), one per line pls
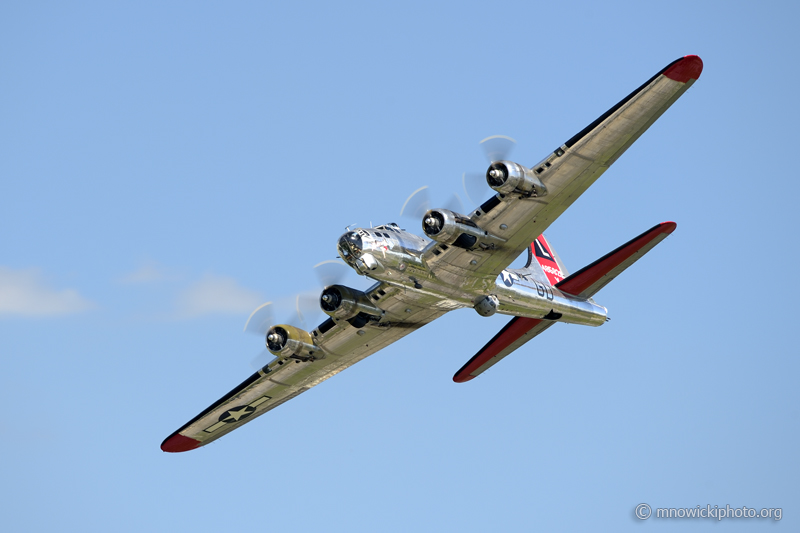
(397, 257)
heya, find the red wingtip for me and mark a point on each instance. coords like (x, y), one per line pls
(179, 443)
(668, 227)
(688, 68)
(462, 378)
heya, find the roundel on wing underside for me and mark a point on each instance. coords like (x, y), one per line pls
(236, 414)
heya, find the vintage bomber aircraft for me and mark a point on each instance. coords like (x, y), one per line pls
(463, 263)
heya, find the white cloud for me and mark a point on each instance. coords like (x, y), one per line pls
(216, 294)
(149, 272)
(24, 293)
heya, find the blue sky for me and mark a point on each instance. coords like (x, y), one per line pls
(166, 168)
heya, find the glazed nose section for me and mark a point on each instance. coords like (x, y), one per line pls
(350, 246)
(352, 241)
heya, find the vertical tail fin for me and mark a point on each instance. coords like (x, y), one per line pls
(546, 260)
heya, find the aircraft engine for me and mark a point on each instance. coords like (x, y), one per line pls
(447, 227)
(344, 303)
(286, 341)
(506, 177)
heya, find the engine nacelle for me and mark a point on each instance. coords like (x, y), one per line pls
(447, 227)
(487, 306)
(286, 341)
(507, 177)
(344, 303)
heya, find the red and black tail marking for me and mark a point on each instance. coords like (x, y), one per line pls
(541, 250)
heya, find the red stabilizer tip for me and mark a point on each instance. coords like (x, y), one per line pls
(688, 68)
(179, 443)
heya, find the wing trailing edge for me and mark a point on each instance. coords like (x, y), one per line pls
(584, 283)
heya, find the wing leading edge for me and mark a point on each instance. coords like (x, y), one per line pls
(280, 381)
(584, 283)
(567, 173)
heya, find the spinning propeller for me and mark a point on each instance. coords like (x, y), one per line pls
(419, 203)
(495, 148)
(300, 310)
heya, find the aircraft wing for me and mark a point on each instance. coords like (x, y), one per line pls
(342, 344)
(566, 173)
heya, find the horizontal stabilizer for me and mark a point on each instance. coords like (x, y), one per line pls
(516, 333)
(584, 283)
(587, 281)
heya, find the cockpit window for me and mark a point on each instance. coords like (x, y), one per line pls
(389, 227)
